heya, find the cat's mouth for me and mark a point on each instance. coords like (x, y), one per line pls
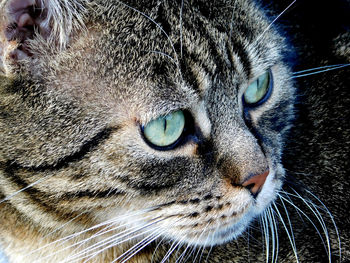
(213, 220)
(217, 229)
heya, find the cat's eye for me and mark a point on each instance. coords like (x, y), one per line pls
(259, 90)
(164, 132)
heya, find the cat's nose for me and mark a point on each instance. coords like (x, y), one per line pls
(255, 183)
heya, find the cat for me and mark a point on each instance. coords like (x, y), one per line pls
(151, 131)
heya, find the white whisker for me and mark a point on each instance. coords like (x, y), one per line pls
(114, 241)
(309, 219)
(332, 219)
(181, 13)
(25, 188)
(171, 250)
(145, 242)
(266, 235)
(155, 250)
(70, 237)
(65, 224)
(161, 29)
(290, 235)
(163, 54)
(327, 68)
(273, 21)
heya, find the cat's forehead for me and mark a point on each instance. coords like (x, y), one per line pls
(160, 57)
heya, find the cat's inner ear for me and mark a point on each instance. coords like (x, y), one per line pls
(22, 21)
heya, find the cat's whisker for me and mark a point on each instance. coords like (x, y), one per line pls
(273, 21)
(103, 231)
(181, 14)
(320, 219)
(317, 71)
(161, 29)
(65, 224)
(72, 236)
(157, 247)
(174, 245)
(25, 188)
(163, 54)
(140, 245)
(331, 217)
(200, 236)
(111, 239)
(179, 259)
(289, 234)
(307, 217)
(203, 248)
(179, 248)
(211, 248)
(274, 232)
(129, 234)
(265, 232)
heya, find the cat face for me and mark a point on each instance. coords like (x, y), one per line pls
(172, 125)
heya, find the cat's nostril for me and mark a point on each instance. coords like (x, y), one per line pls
(255, 183)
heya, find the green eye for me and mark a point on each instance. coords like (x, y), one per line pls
(259, 90)
(166, 130)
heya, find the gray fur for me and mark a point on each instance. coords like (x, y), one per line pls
(71, 114)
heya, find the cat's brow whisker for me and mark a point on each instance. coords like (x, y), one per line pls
(163, 54)
(273, 21)
(181, 13)
(161, 29)
(314, 71)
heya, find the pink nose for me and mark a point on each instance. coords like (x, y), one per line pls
(255, 183)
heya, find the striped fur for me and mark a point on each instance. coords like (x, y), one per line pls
(77, 181)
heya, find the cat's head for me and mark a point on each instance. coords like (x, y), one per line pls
(164, 121)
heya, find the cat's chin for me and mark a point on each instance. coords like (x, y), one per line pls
(222, 235)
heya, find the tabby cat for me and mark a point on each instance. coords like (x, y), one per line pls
(147, 131)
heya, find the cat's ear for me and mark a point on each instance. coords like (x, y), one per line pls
(27, 27)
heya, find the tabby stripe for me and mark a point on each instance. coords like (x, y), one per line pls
(40, 199)
(85, 149)
(47, 203)
(91, 194)
(33, 191)
(242, 55)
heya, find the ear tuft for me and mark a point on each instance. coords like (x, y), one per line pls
(24, 21)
